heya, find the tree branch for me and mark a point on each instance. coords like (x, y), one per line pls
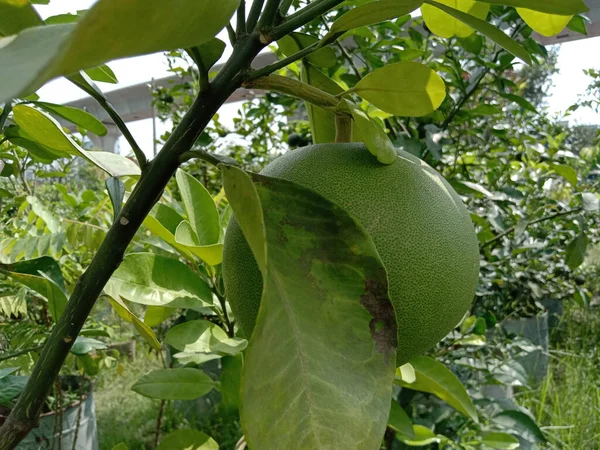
(533, 222)
(302, 17)
(255, 11)
(241, 19)
(149, 189)
(20, 352)
(114, 115)
(6, 109)
(267, 18)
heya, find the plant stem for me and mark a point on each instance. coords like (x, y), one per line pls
(149, 189)
(266, 70)
(231, 34)
(255, 10)
(210, 158)
(302, 17)
(269, 14)
(541, 219)
(6, 109)
(241, 19)
(114, 115)
(294, 88)
(343, 128)
(20, 352)
(161, 411)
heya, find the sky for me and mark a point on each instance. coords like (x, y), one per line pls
(568, 85)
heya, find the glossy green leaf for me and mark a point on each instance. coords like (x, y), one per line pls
(129, 28)
(16, 15)
(43, 213)
(544, 23)
(447, 26)
(231, 380)
(435, 378)
(77, 116)
(578, 25)
(187, 440)
(303, 361)
(186, 238)
(57, 299)
(400, 422)
(562, 7)
(403, 89)
(156, 280)
(423, 436)
(488, 30)
(163, 222)
(406, 373)
(202, 336)
(494, 439)
(155, 315)
(142, 328)
(576, 250)
(523, 103)
(210, 52)
(567, 172)
(200, 208)
(44, 266)
(116, 193)
(185, 358)
(518, 422)
(174, 384)
(370, 14)
(294, 42)
(83, 345)
(322, 122)
(367, 130)
(102, 73)
(44, 129)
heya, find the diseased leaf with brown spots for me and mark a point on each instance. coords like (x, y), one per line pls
(321, 359)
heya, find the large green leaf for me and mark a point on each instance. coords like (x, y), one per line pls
(202, 336)
(576, 250)
(544, 23)
(142, 328)
(294, 42)
(567, 172)
(399, 421)
(495, 439)
(322, 122)
(83, 345)
(187, 440)
(447, 26)
(174, 384)
(200, 208)
(75, 115)
(156, 280)
(43, 129)
(16, 15)
(562, 7)
(163, 222)
(487, 29)
(186, 237)
(403, 89)
(370, 14)
(435, 378)
(367, 130)
(518, 422)
(319, 366)
(231, 380)
(111, 29)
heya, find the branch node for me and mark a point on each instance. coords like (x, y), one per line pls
(264, 38)
(123, 221)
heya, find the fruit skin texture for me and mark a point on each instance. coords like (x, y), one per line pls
(419, 225)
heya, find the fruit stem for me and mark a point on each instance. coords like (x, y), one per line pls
(343, 128)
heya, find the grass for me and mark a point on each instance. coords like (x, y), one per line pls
(567, 403)
(121, 414)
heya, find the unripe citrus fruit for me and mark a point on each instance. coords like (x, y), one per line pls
(419, 225)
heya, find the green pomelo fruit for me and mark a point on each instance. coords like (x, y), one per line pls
(419, 225)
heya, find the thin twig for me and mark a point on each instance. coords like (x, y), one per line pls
(20, 352)
(114, 115)
(269, 15)
(266, 70)
(541, 219)
(231, 34)
(241, 19)
(6, 109)
(302, 17)
(210, 158)
(161, 410)
(255, 11)
(81, 394)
